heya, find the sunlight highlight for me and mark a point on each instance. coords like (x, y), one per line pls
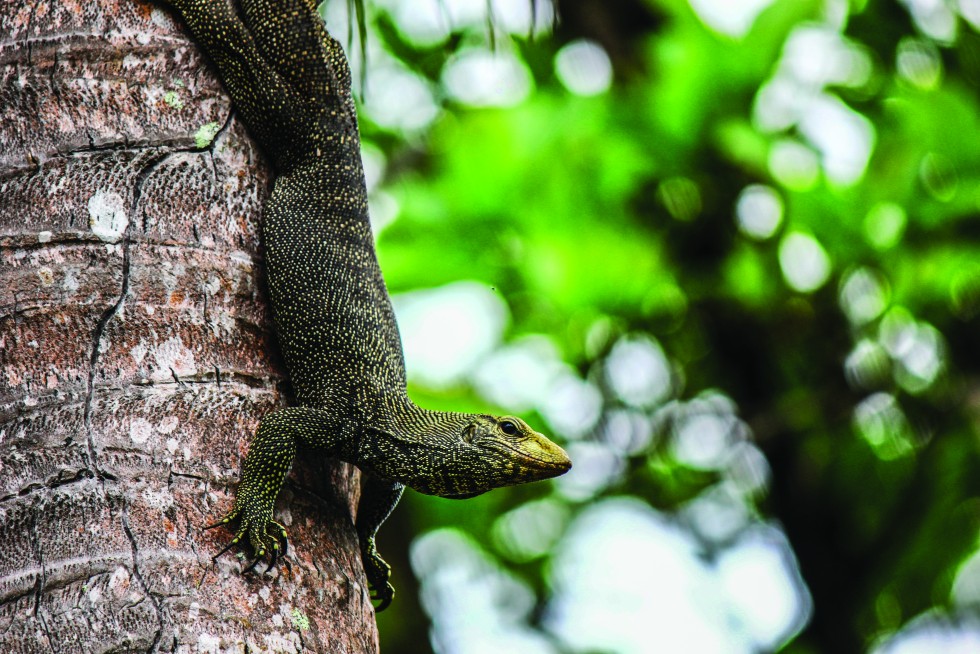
(446, 330)
(804, 262)
(727, 17)
(673, 600)
(584, 67)
(481, 78)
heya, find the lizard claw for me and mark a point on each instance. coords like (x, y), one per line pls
(255, 562)
(229, 517)
(377, 572)
(384, 595)
(231, 544)
(274, 558)
(279, 537)
(263, 533)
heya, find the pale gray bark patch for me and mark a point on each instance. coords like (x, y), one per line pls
(137, 356)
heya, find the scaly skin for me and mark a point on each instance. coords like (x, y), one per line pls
(290, 83)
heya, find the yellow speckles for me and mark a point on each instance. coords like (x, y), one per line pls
(331, 308)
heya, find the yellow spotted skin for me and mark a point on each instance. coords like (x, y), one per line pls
(290, 83)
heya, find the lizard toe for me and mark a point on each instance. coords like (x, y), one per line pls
(384, 595)
(234, 541)
(227, 518)
(279, 535)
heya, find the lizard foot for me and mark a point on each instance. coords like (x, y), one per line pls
(265, 536)
(378, 572)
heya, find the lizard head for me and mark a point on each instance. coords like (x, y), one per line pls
(482, 452)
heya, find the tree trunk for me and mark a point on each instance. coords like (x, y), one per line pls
(137, 356)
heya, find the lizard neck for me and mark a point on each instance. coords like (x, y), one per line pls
(400, 419)
(409, 444)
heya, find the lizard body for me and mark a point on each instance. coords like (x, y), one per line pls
(290, 83)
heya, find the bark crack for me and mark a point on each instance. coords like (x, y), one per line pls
(39, 585)
(28, 42)
(143, 584)
(112, 312)
(47, 632)
(54, 482)
(100, 328)
(242, 378)
(41, 579)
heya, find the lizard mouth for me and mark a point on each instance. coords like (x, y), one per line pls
(554, 460)
(551, 463)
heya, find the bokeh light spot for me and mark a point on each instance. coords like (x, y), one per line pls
(717, 515)
(423, 22)
(760, 577)
(863, 296)
(868, 366)
(630, 580)
(844, 138)
(759, 211)
(597, 466)
(918, 62)
(681, 197)
(966, 585)
(627, 431)
(970, 10)
(482, 78)
(933, 633)
(476, 606)
(572, 406)
(882, 424)
(748, 469)
(584, 67)
(518, 376)
(934, 17)
(731, 18)
(398, 99)
(638, 371)
(794, 165)
(447, 330)
(884, 225)
(531, 530)
(804, 262)
(701, 440)
(938, 175)
(918, 348)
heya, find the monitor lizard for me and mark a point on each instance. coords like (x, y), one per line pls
(290, 83)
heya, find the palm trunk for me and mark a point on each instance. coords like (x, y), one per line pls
(136, 356)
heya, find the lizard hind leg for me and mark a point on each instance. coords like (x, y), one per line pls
(378, 500)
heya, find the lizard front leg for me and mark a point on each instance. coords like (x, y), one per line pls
(270, 456)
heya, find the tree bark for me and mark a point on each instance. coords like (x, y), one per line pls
(137, 356)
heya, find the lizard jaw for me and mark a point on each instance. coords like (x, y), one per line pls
(540, 455)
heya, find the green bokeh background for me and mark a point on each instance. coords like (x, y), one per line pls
(614, 216)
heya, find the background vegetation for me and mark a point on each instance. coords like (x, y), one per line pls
(728, 254)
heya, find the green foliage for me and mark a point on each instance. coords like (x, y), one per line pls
(617, 214)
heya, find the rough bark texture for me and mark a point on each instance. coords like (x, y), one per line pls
(136, 356)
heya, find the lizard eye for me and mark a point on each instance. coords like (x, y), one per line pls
(508, 427)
